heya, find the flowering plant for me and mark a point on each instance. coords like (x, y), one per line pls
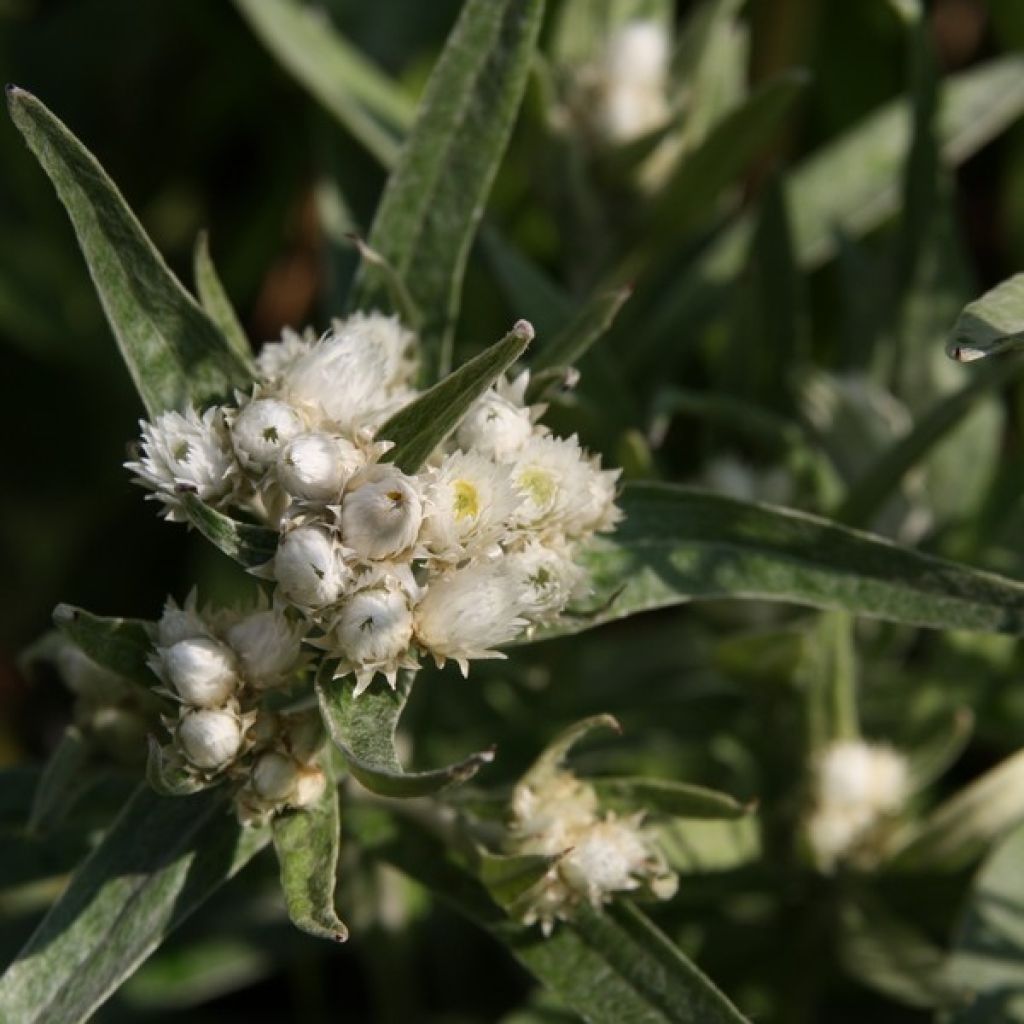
(393, 497)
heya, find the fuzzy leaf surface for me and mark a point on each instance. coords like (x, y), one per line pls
(159, 861)
(215, 300)
(249, 545)
(174, 352)
(307, 843)
(418, 428)
(120, 645)
(680, 544)
(363, 729)
(432, 204)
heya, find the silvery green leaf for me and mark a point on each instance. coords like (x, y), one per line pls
(828, 675)
(307, 841)
(702, 847)
(121, 646)
(362, 98)
(509, 877)
(159, 860)
(551, 758)
(67, 774)
(419, 427)
(679, 544)
(249, 545)
(174, 352)
(434, 199)
(363, 729)
(166, 773)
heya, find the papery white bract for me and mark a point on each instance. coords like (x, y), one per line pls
(184, 451)
(381, 513)
(261, 430)
(200, 670)
(468, 614)
(268, 646)
(209, 738)
(309, 567)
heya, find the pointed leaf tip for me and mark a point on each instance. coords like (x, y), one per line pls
(523, 329)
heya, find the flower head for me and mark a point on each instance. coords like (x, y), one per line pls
(469, 613)
(201, 670)
(381, 513)
(314, 467)
(261, 430)
(188, 452)
(210, 739)
(309, 567)
(268, 646)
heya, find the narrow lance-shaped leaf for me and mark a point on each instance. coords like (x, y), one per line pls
(120, 645)
(870, 492)
(607, 967)
(419, 427)
(667, 797)
(249, 545)
(307, 842)
(558, 749)
(159, 861)
(174, 352)
(362, 98)
(679, 544)
(686, 201)
(215, 299)
(433, 201)
(572, 343)
(363, 729)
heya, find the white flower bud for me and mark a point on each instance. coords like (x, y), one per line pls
(467, 614)
(381, 513)
(210, 739)
(274, 777)
(607, 857)
(374, 625)
(495, 427)
(262, 429)
(316, 467)
(201, 670)
(547, 579)
(310, 786)
(268, 646)
(180, 623)
(308, 567)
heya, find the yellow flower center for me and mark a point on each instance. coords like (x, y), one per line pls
(467, 500)
(538, 484)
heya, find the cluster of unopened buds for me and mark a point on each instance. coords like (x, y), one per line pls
(595, 854)
(384, 566)
(858, 788)
(218, 668)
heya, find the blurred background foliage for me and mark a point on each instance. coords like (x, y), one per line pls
(788, 390)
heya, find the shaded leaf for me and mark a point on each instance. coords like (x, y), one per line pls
(307, 843)
(557, 750)
(362, 98)
(160, 860)
(67, 774)
(508, 877)
(419, 427)
(828, 675)
(588, 326)
(433, 201)
(167, 775)
(175, 354)
(249, 545)
(120, 645)
(363, 729)
(941, 749)
(679, 544)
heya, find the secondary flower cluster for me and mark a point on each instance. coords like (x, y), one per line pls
(598, 854)
(218, 667)
(857, 787)
(452, 560)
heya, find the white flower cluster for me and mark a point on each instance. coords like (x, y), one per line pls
(217, 667)
(857, 787)
(452, 561)
(599, 854)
